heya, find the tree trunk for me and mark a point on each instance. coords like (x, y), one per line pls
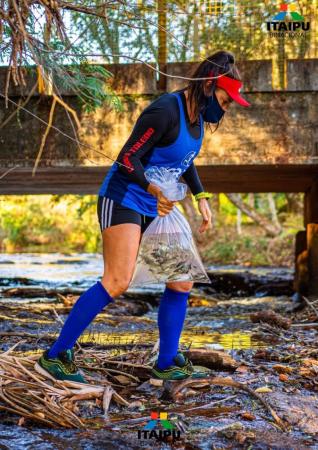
(239, 221)
(271, 229)
(272, 207)
(251, 199)
(162, 43)
(196, 41)
(294, 203)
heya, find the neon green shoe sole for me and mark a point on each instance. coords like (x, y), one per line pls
(170, 373)
(61, 368)
(180, 371)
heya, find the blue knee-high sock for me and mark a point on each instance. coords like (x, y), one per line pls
(89, 304)
(171, 315)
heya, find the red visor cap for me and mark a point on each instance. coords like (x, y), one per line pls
(232, 87)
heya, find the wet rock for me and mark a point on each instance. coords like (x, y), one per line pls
(148, 388)
(13, 281)
(27, 292)
(69, 261)
(225, 429)
(243, 283)
(298, 410)
(128, 307)
(272, 318)
(15, 437)
(212, 359)
(152, 298)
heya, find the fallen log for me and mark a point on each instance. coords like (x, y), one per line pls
(212, 359)
(30, 292)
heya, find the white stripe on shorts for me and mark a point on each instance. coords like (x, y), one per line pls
(105, 214)
(110, 212)
(102, 214)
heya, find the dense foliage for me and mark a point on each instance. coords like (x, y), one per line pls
(68, 223)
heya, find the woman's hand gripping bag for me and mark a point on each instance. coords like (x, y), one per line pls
(167, 251)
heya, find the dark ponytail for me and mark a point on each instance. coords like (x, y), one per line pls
(221, 62)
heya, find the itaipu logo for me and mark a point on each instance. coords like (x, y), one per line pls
(159, 427)
(288, 20)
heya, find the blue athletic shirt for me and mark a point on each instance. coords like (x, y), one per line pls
(179, 155)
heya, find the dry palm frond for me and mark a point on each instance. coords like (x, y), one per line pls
(27, 393)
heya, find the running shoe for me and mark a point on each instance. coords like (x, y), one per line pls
(182, 369)
(173, 372)
(194, 371)
(182, 361)
(61, 368)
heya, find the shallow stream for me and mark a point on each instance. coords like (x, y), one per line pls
(32, 289)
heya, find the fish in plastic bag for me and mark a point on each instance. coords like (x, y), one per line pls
(167, 250)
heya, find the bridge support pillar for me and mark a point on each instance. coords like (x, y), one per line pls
(311, 224)
(301, 263)
(312, 244)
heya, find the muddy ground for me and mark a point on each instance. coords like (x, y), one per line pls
(277, 359)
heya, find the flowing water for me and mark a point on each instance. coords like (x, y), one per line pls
(40, 276)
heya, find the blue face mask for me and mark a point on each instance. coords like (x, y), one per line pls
(212, 111)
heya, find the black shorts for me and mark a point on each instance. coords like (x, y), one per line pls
(111, 213)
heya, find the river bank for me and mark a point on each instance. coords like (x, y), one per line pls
(276, 361)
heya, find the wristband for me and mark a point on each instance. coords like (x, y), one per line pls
(203, 195)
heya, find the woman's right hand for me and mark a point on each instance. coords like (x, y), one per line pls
(164, 205)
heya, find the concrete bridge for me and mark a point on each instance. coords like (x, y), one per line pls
(269, 147)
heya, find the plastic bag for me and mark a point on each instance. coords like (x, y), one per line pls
(167, 250)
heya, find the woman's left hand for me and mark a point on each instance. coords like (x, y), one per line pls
(206, 214)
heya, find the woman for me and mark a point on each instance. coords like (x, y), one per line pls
(168, 133)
